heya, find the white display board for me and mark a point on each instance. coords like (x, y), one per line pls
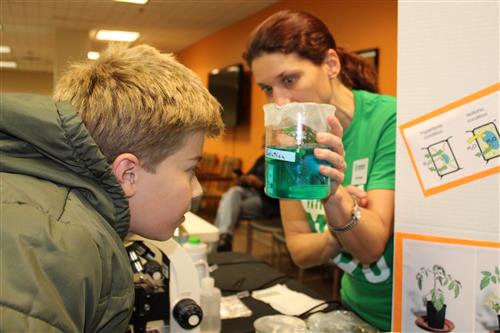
(447, 221)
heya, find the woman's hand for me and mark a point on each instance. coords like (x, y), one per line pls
(360, 195)
(335, 155)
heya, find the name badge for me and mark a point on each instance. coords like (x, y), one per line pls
(359, 172)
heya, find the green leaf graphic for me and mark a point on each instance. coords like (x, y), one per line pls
(485, 281)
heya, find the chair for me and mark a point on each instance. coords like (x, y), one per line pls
(205, 170)
(263, 225)
(207, 167)
(214, 185)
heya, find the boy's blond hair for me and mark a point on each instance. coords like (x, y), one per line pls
(137, 100)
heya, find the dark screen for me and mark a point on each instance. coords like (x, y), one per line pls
(226, 85)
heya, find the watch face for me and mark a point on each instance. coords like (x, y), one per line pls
(355, 217)
(356, 211)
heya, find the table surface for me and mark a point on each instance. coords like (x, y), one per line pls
(197, 226)
(239, 272)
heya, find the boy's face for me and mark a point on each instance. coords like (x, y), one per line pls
(161, 199)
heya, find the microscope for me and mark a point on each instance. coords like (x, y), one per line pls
(167, 290)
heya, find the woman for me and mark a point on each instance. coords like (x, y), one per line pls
(294, 58)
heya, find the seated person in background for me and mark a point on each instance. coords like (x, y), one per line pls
(115, 153)
(247, 200)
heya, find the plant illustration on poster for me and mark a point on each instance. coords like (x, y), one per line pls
(434, 299)
(485, 138)
(493, 300)
(441, 159)
(441, 285)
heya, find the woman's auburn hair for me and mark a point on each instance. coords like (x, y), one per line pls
(298, 32)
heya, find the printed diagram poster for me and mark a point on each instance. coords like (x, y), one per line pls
(457, 143)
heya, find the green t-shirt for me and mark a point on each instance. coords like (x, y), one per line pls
(370, 152)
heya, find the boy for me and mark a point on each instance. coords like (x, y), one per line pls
(77, 176)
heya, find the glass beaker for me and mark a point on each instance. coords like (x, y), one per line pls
(292, 171)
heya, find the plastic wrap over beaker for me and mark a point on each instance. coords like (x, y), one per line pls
(292, 171)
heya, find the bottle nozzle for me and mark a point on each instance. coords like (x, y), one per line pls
(207, 282)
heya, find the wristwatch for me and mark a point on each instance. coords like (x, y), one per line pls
(355, 217)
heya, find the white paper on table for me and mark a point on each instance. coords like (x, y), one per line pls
(232, 307)
(286, 301)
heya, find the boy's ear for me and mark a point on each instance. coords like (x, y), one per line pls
(332, 63)
(126, 170)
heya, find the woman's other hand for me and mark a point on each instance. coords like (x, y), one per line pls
(360, 195)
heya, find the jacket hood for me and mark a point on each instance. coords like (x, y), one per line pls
(48, 140)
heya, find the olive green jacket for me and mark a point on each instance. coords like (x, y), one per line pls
(63, 267)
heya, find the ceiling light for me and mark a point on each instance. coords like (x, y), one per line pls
(92, 55)
(4, 49)
(8, 64)
(115, 35)
(139, 2)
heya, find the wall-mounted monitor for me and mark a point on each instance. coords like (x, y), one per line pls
(230, 86)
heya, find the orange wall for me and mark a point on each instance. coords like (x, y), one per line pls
(24, 81)
(356, 25)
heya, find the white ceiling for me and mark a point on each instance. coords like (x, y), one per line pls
(28, 26)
